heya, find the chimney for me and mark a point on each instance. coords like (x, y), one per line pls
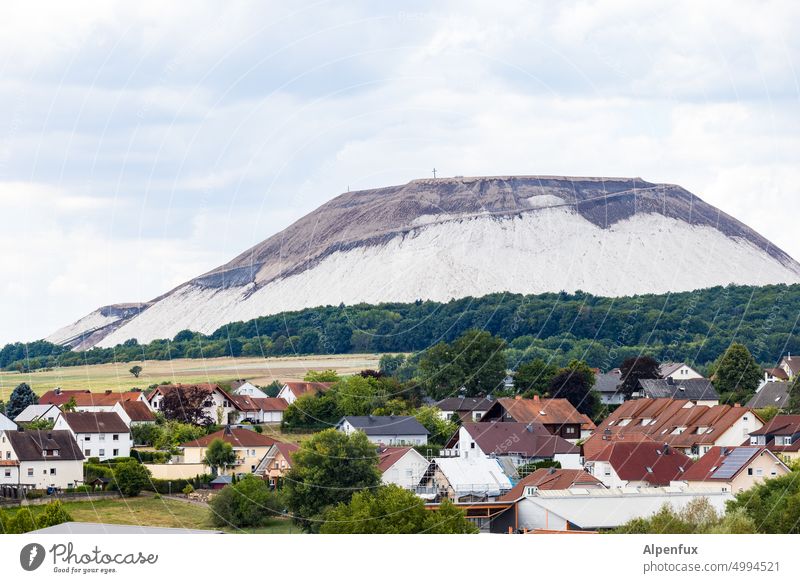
(529, 427)
(551, 471)
(725, 451)
(536, 398)
(667, 450)
(606, 434)
(108, 391)
(670, 381)
(57, 391)
(518, 398)
(737, 404)
(49, 435)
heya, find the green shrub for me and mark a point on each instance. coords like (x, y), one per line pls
(248, 503)
(21, 522)
(131, 478)
(188, 489)
(54, 513)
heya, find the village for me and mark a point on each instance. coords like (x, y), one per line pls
(511, 464)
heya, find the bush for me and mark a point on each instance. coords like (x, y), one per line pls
(188, 489)
(54, 513)
(21, 522)
(248, 503)
(131, 478)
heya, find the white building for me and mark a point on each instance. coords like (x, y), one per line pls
(465, 479)
(386, 429)
(33, 413)
(217, 404)
(678, 371)
(248, 389)
(134, 413)
(293, 390)
(38, 459)
(6, 424)
(100, 435)
(403, 466)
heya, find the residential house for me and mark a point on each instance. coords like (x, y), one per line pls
(637, 464)
(519, 443)
(134, 413)
(259, 409)
(101, 435)
(774, 374)
(464, 479)
(38, 459)
(403, 466)
(790, 366)
(218, 405)
(293, 390)
(86, 400)
(249, 446)
(680, 423)
(780, 435)
(771, 394)
(734, 469)
(557, 415)
(553, 479)
(7, 424)
(700, 391)
(386, 429)
(678, 371)
(607, 386)
(33, 413)
(467, 408)
(276, 463)
(247, 389)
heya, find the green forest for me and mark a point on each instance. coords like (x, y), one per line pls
(695, 327)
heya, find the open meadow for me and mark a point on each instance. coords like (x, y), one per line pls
(115, 376)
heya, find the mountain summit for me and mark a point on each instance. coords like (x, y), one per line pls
(446, 238)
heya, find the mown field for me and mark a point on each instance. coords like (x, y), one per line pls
(146, 510)
(115, 376)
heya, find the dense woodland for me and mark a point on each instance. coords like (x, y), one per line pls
(695, 327)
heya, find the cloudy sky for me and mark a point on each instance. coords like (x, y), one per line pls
(144, 143)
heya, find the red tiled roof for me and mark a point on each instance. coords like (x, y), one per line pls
(271, 403)
(85, 398)
(546, 411)
(703, 469)
(236, 436)
(551, 479)
(300, 388)
(388, 456)
(138, 411)
(645, 461)
(287, 450)
(8, 463)
(528, 439)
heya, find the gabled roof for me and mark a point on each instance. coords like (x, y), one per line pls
(29, 445)
(692, 389)
(480, 475)
(287, 450)
(244, 403)
(388, 456)
(300, 388)
(529, 439)
(236, 436)
(536, 410)
(793, 362)
(270, 403)
(34, 412)
(92, 422)
(777, 372)
(386, 424)
(651, 462)
(781, 425)
(138, 411)
(607, 382)
(85, 398)
(771, 394)
(470, 404)
(552, 479)
(723, 464)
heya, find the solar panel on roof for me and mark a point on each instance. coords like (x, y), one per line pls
(733, 462)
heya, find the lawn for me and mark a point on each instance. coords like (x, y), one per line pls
(115, 376)
(145, 510)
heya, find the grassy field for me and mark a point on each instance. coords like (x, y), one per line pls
(146, 510)
(115, 376)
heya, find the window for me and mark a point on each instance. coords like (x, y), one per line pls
(607, 470)
(787, 440)
(115, 437)
(759, 472)
(570, 429)
(8, 473)
(52, 471)
(472, 445)
(87, 437)
(102, 437)
(749, 471)
(115, 452)
(102, 453)
(8, 455)
(30, 472)
(87, 452)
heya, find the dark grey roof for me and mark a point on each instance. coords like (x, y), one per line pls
(387, 424)
(692, 389)
(29, 444)
(606, 382)
(775, 394)
(465, 404)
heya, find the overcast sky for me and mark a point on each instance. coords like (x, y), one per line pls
(144, 143)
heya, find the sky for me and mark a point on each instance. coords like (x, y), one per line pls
(142, 144)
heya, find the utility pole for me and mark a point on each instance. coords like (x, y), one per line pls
(434, 172)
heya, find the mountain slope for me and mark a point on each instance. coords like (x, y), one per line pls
(453, 237)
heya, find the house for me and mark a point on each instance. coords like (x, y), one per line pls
(220, 482)
(259, 409)
(403, 466)
(464, 479)
(7, 424)
(33, 413)
(700, 391)
(293, 390)
(553, 479)
(593, 509)
(247, 389)
(86, 400)
(101, 435)
(276, 463)
(626, 464)
(678, 371)
(557, 415)
(520, 443)
(680, 423)
(134, 413)
(218, 405)
(607, 386)
(790, 366)
(386, 429)
(467, 408)
(734, 469)
(781, 435)
(771, 394)
(774, 374)
(249, 446)
(37, 460)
